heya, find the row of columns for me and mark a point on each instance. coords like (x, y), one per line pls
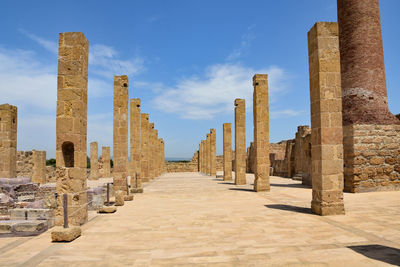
(207, 154)
(146, 148)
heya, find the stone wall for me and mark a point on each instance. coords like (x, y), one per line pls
(372, 158)
(181, 166)
(25, 166)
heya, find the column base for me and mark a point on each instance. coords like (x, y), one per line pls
(327, 209)
(61, 234)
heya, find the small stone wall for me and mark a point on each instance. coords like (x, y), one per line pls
(371, 158)
(25, 166)
(181, 166)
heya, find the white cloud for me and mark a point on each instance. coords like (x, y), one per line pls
(245, 43)
(275, 114)
(104, 61)
(25, 80)
(204, 98)
(49, 45)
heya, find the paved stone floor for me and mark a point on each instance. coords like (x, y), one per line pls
(190, 219)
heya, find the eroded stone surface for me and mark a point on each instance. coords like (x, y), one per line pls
(261, 132)
(61, 234)
(240, 142)
(326, 119)
(227, 139)
(8, 141)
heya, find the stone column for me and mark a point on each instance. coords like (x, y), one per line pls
(71, 126)
(162, 155)
(94, 161)
(135, 139)
(8, 141)
(156, 153)
(144, 147)
(120, 135)
(151, 150)
(261, 133)
(362, 64)
(227, 132)
(208, 154)
(213, 152)
(240, 142)
(105, 157)
(39, 172)
(199, 155)
(326, 119)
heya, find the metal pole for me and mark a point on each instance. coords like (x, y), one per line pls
(65, 201)
(136, 178)
(127, 187)
(108, 194)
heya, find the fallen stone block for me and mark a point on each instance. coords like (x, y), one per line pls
(33, 227)
(5, 227)
(119, 198)
(136, 190)
(128, 198)
(107, 209)
(61, 234)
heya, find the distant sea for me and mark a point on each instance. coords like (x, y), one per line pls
(177, 159)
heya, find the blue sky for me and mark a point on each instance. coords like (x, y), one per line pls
(186, 60)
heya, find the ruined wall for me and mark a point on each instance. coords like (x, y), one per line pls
(25, 167)
(373, 162)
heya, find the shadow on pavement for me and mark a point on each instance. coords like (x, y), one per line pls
(378, 252)
(242, 189)
(289, 208)
(291, 185)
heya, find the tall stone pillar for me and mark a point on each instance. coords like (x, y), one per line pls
(144, 147)
(163, 155)
(39, 167)
(227, 132)
(151, 150)
(94, 161)
(199, 155)
(120, 135)
(326, 119)
(213, 152)
(71, 126)
(135, 139)
(261, 132)
(208, 154)
(8, 141)
(156, 153)
(105, 158)
(362, 64)
(240, 142)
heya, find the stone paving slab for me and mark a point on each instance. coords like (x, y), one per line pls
(189, 219)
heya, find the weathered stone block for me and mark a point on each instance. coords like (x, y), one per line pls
(60, 234)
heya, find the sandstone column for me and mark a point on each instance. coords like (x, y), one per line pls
(94, 161)
(144, 147)
(240, 142)
(326, 119)
(213, 152)
(151, 150)
(362, 64)
(71, 126)
(105, 157)
(227, 151)
(208, 154)
(261, 133)
(39, 167)
(135, 139)
(8, 141)
(162, 155)
(120, 135)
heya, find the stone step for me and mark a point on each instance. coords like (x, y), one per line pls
(12, 228)
(46, 215)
